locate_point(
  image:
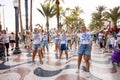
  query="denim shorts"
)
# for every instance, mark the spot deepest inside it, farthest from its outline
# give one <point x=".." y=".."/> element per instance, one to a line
<point x="57" y="41"/>
<point x="35" y="46"/>
<point x="63" y="47"/>
<point x="68" y="41"/>
<point x="84" y="49"/>
<point x="100" y="40"/>
<point x="41" y="45"/>
<point x="45" y="43"/>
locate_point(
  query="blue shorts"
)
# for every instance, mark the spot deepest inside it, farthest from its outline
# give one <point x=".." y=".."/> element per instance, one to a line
<point x="69" y="41"/>
<point x="57" y="41"/>
<point x="41" y="45"/>
<point x="100" y="40"/>
<point x="84" y="49"/>
<point x="45" y="43"/>
<point x="35" y="46"/>
<point x="63" y="47"/>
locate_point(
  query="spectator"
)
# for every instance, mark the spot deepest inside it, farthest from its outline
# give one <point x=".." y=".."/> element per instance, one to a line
<point x="6" y="42"/>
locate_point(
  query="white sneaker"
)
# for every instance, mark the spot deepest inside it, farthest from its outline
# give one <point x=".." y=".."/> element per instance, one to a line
<point x="88" y="74"/>
<point x="67" y="61"/>
<point x="78" y="70"/>
<point x="59" y="60"/>
<point x="90" y="61"/>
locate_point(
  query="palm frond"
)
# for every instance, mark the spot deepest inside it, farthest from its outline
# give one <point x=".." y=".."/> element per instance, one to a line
<point x="41" y="12"/>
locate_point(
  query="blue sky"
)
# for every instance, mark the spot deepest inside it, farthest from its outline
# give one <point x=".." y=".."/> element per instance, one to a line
<point x="87" y="5"/>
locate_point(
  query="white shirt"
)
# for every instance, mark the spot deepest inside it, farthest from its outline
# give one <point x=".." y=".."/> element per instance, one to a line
<point x="112" y="40"/>
<point x="12" y="37"/>
<point x="85" y="38"/>
<point x="37" y="38"/>
<point x="115" y="42"/>
<point x="100" y="35"/>
<point x="44" y="37"/>
<point x="118" y="36"/>
<point x="56" y="36"/>
<point x="5" y="38"/>
<point x="63" y="39"/>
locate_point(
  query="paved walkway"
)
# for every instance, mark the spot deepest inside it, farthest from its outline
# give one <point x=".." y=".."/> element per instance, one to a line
<point x="19" y="67"/>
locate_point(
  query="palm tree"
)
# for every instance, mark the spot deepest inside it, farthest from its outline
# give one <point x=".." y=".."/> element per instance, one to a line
<point x="98" y="16"/>
<point x="72" y="18"/>
<point x="92" y="25"/>
<point x="26" y="13"/>
<point x="48" y="11"/>
<point x="20" y="16"/>
<point x="57" y="2"/>
<point x="114" y="14"/>
<point x="31" y="15"/>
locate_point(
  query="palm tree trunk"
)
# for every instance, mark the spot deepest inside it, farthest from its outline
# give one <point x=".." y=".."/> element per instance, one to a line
<point x="26" y="13"/>
<point x="115" y="26"/>
<point x="57" y="4"/>
<point x="31" y="15"/>
<point x="47" y="25"/>
<point x="20" y="16"/>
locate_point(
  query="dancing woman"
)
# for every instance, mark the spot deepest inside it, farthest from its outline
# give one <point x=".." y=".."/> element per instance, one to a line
<point x="84" y="49"/>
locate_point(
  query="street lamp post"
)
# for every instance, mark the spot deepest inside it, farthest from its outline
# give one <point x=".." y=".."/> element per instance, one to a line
<point x="3" y="14"/>
<point x="17" y="50"/>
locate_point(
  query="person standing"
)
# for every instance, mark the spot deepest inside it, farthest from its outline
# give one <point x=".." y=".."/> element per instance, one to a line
<point x="36" y="48"/>
<point x="84" y="49"/>
<point x="63" y="46"/>
<point x="56" y="36"/>
<point x="12" y="40"/>
<point x="118" y="39"/>
<point x="1" y="46"/>
<point x="100" y="39"/>
<point x="6" y="42"/>
<point x="45" y="42"/>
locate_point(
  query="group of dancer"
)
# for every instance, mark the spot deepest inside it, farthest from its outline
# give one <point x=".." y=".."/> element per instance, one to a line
<point x="63" y="42"/>
<point x="38" y="42"/>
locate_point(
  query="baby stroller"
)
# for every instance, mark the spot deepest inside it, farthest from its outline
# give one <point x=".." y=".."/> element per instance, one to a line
<point x="116" y="55"/>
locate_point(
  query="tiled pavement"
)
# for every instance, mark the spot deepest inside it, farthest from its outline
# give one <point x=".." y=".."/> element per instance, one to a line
<point x="19" y="67"/>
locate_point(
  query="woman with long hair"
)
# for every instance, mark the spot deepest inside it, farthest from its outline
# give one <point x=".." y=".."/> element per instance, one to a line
<point x="84" y="48"/>
<point x="36" y="48"/>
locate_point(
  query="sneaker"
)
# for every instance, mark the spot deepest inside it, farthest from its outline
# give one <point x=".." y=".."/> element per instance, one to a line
<point x="33" y="63"/>
<point x="78" y="70"/>
<point x="8" y="55"/>
<point x="67" y="61"/>
<point x="90" y="61"/>
<point x="88" y="74"/>
<point x="12" y="49"/>
<point x="41" y="62"/>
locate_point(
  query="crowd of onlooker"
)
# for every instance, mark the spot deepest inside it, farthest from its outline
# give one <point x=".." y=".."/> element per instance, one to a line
<point x="109" y="40"/>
